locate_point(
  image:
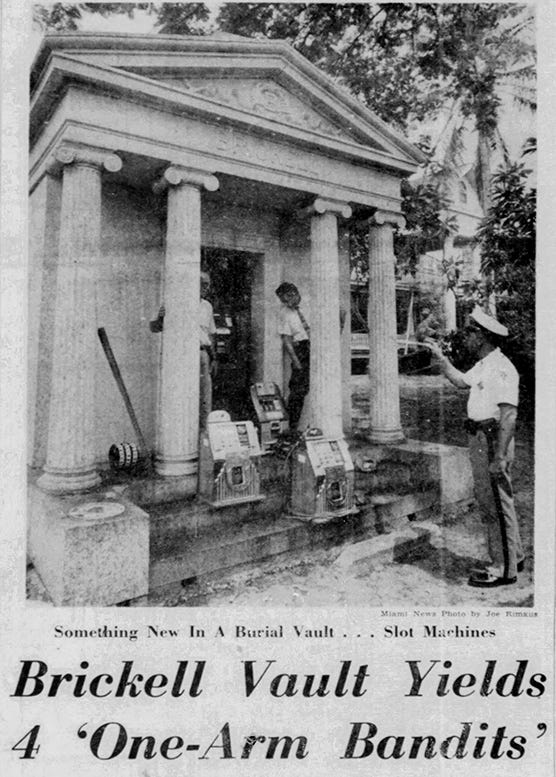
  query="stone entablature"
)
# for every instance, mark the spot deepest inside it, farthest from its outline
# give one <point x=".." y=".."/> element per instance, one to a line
<point x="143" y="131"/>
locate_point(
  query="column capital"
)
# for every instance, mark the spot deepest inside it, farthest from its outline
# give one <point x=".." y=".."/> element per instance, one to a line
<point x="77" y="154"/>
<point x="176" y="176"/>
<point x="323" y="205"/>
<point x="381" y="217"/>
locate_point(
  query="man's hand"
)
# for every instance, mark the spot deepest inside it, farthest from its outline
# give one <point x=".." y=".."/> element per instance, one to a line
<point x="434" y="348"/>
<point x="506" y="431"/>
<point x="454" y="376"/>
<point x="498" y="466"/>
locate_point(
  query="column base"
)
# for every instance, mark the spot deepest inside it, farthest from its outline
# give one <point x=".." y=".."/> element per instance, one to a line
<point x="176" y="468"/>
<point x="67" y="482"/>
<point x="382" y="436"/>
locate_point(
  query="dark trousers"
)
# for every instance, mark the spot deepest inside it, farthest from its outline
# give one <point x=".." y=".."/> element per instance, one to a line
<point x="299" y="382"/>
<point x="495" y="498"/>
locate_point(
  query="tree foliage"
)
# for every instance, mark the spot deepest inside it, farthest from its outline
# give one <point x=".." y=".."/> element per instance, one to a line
<point x="426" y="228"/>
<point x="403" y="60"/>
<point x="181" y="18"/>
<point x="507" y="241"/>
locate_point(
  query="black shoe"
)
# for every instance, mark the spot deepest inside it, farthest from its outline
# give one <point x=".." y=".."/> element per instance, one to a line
<point x="485" y="573"/>
<point x="490" y="581"/>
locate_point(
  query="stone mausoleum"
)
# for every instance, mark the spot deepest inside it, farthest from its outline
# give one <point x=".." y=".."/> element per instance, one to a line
<point x="152" y="157"/>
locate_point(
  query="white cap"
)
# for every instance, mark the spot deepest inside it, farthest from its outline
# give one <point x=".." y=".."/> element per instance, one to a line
<point x="488" y="322"/>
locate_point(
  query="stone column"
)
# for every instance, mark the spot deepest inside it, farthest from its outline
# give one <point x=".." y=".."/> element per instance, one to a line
<point x="70" y="464"/>
<point x="326" y="360"/>
<point x="385" y="426"/>
<point x="178" y="412"/>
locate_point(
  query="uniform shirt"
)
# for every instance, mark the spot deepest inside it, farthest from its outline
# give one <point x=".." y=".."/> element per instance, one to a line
<point x="289" y="323"/>
<point x="493" y="381"/>
<point x="206" y="321"/>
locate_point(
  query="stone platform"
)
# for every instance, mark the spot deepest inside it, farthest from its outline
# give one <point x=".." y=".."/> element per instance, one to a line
<point x="169" y="542"/>
<point x="89" y="549"/>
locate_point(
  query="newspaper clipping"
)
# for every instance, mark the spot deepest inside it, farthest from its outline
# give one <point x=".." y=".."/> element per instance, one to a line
<point x="277" y="420"/>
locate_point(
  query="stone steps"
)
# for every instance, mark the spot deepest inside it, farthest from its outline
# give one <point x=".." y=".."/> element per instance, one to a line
<point x="189" y="543"/>
<point x="178" y="523"/>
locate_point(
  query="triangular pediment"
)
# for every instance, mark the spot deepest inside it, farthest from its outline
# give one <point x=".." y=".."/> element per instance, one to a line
<point x="262" y="97"/>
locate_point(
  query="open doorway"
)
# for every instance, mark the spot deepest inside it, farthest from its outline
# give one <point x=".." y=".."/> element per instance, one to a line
<point x="231" y="274"/>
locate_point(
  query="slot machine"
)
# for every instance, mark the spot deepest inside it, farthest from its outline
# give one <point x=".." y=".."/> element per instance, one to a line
<point x="228" y="461"/>
<point x="271" y="413"/>
<point x="322" y="478"/>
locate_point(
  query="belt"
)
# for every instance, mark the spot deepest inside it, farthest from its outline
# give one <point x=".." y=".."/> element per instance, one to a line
<point x="488" y="426"/>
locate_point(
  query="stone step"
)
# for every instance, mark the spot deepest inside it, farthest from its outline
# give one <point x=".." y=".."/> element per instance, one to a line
<point x="402" y="545"/>
<point x="178" y="523"/>
<point x="190" y="543"/>
<point x="248" y="542"/>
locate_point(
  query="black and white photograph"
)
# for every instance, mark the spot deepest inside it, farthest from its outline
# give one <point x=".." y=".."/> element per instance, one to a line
<point x="282" y="304"/>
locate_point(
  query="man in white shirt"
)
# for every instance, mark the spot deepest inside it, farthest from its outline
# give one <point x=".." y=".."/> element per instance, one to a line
<point x="493" y="385"/>
<point x="295" y="333"/>
<point x="207" y="335"/>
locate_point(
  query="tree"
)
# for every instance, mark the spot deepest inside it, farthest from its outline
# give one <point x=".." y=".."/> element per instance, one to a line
<point x="423" y="206"/>
<point x="507" y="242"/>
<point x="183" y="18"/>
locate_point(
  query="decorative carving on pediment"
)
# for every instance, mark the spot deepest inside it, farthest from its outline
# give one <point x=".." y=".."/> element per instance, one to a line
<point x="264" y="98"/>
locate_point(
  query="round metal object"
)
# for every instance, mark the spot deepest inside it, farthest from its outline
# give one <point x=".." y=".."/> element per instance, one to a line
<point x="124" y="455"/>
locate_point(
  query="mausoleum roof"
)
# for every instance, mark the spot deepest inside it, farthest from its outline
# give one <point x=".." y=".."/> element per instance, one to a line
<point x="257" y="83"/>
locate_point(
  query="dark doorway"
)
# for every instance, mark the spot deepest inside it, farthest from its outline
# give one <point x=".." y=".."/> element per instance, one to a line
<point x="231" y="274"/>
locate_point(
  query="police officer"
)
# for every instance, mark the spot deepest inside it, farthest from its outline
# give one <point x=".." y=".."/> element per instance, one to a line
<point x="492" y="411"/>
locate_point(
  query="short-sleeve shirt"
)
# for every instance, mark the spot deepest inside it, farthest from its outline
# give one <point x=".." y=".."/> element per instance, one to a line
<point x="289" y="323"/>
<point x="493" y="381"/>
<point x="206" y="322"/>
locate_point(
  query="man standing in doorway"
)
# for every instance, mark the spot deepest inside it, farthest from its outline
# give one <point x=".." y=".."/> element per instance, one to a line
<point x="295" y="333"/>
<point x="207" y="336"/>
<point x="491" y="410"/>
